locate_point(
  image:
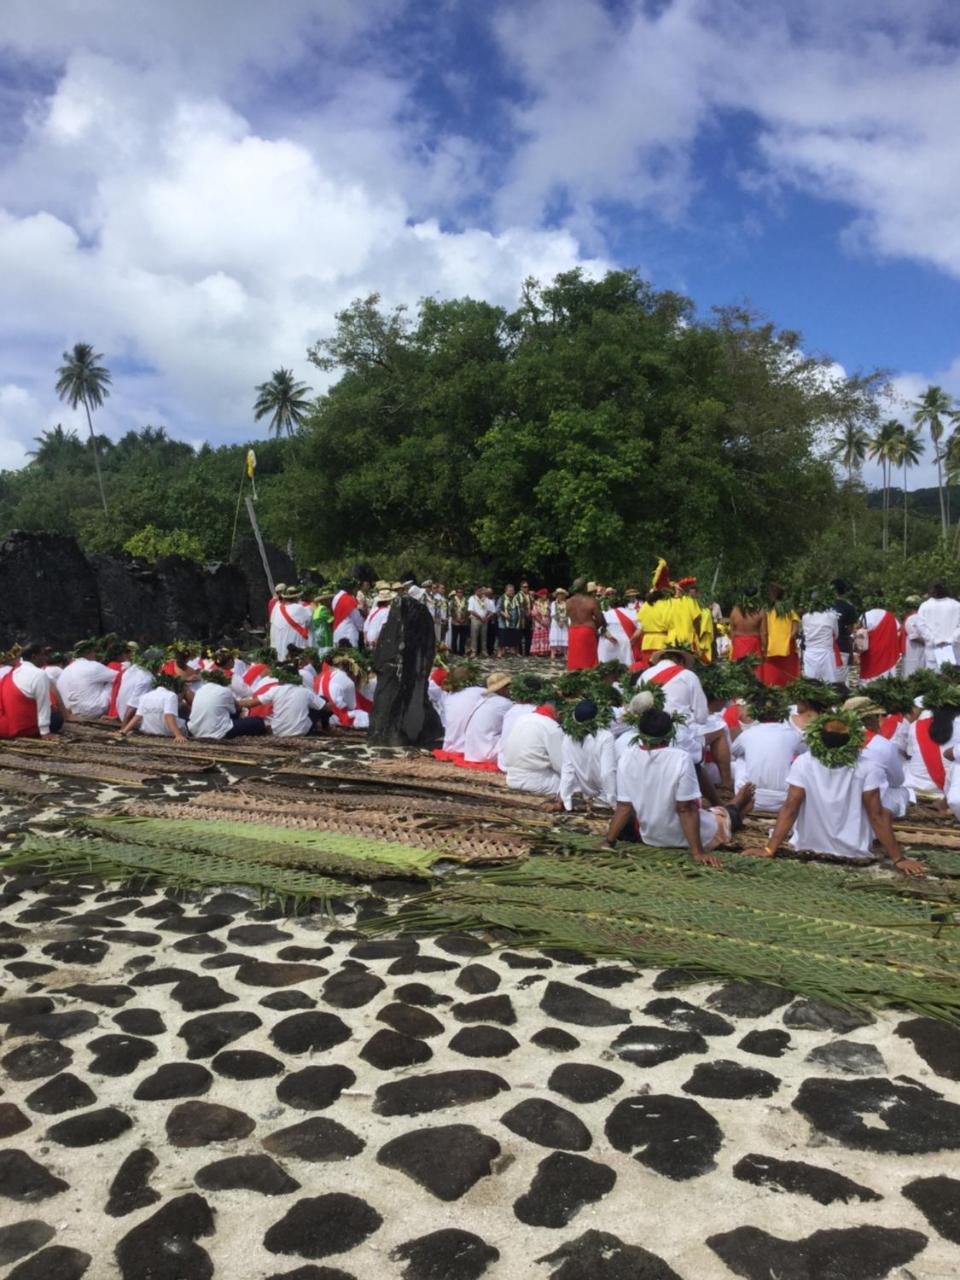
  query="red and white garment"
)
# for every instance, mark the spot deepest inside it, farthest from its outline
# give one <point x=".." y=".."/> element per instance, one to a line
<point x="347" y="619"/>
<point x="340" y="694"/>
<point x="289" y="625"/>
<point x="617" y="644"/>
<point x="882" y="654"/>
<point x="374" y="624"/>
<point x="24" y="702"/>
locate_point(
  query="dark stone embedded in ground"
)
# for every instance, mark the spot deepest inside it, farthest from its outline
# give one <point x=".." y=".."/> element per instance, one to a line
<point x="309" y="1032"/>
<point x="938" y="1199"/>
<point x="201" y="992"/>
<point x="28" y="968"/>
<point x="197" y="1124"/>
<point x="486" y="1009"/>
<point x="230" y="904"/>
<point x="682" y="1016"/>
<point x="420" y="994"/>
<point x="140" y="1022"/>
<point x="310" y="1272"/>
<point x="672" y="1136"/>
<point x="22" y="1238"/>
<point x="848" y="1056"/>
<point x="223" y="959"/>
<point x="555" y="1039"/>
<point x="130" y="1188"/>
<point x="867" y="1253"/>
<point x="315" y="1088"/>
<point x="246" y="1064"/>
<point x="411" y="1021"/>
<point x="388" y="1050"/>
<point x="462" y="944"/>
<point x="56" y="1262"/>
<point x="246" y="1173"/>
<point x="112" y="995"/>
<point x="675" y="979"/>
<point x="447" y="1160"/>
<point x="321" y="1225"/>
<point x="12" y="1120"/>
<point x="164" y="975"/>
<point x="573" y="1004"/>
<point x="208" y="1033"/>
<point x="284" y="1001"/>
<point x="517" y="960"/>
<point x="78" y="951"/>
<point x="54" y="1026"/>
<point x="384" y="948"/>
<point x="562" y="1185"/>
<point x="583" y="1082"/>
<point x="724" y="1079"/>
<point x="483" y="1042"/>
<point x="809" y="1014"/>
<point x="478" y="979"/>
<point x="118" y="1055"/>
<point x="448" y="1254"/>
<point x="913" y="1119"/>
<point x="257" y="935"/>
<point x="649" y="1046"/>
<point x="309" y="954"/>
<point x="794" y="1176"/>
<point x="164" y="1246"/>
<point x="267" y="973"/>
<point x="174" y="1080"/>
<point x="24" y="1007"/>
<point x="22" y="1179"/>
<point x="90" y="1128"/>
<point x="542" y="1121"/>
<point x="65" y="1092"/>
<point x="420" y="964"/>
<point x="416" y="1095"/>
<point x="132" y="937"/>
<point x="598" y="1255"/>
<point x="937" y="1043"/>
<point x="745" y="999"/>
<point x="769" y="1044"/>
<point x="317" y="1140"/>
<point x="195" y="924"/>
<point x="607" y="976"/>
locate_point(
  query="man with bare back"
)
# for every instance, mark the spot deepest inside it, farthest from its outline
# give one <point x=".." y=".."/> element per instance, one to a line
<point x="586" y="621"/>
<point x="748" y="626"/>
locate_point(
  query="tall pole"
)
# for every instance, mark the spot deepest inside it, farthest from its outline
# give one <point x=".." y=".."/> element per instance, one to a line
<point x="263" y="551"/>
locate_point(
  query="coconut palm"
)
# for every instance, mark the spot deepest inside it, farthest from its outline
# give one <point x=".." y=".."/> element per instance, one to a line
<point x="929" y="411"/>
<point x="850" y="449"/>
<point x="56" y="448"/>
<point x="908" y="450"/>
<point x="81" y="380"/>
<point x="882" y="448"/>
<point x="285" y="400"/>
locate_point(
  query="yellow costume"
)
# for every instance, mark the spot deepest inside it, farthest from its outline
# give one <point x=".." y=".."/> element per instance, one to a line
<point x="705" y="643"/>
<point x="779" y="630"/>
<point x="684" y="615"/>
<point x="654" y="621"/>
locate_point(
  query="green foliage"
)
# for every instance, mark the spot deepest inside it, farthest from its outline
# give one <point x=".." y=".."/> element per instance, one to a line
<point x="151" y="543"/>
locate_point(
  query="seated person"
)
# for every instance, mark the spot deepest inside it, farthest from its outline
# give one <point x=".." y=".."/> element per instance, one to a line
<point x="882" y="752"/>
<point x="215" y="711"/>
<point x="86" y="685"/>
<point x="589" y="762"/>
<point x="26" y="693"/>
<point x="765" y="750"/>
<point x="533" y="757"/>
<point x="157" y="711"/>
<point x="294" y="710"/>
<point x="481" y="738"/>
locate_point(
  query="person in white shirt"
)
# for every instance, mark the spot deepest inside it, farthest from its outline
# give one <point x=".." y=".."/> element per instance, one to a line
<point x="25" y="704"/>
<point x="157" y="712"/>
<point x="833" y="799"/>
<point x="85" y="687"/>
<point x="914" y="648"/>
<point x="614" y="644"/>
<point x="290" y="623"/>
<point x="931" y="741"/>
<point x="294" y="710"/>
<point x="764" y="751"/>
<point x="589" y="762"/>
<point x="347" y="618"/>
<point x="460" y="702"/>
<point x="658" y="791"/>
<point x="135" y="681"/>
<point x="820" y="628"/>
<point x="477" y="611"/>
<point x="376" y="618"/>
<point x="215" y="712"/>
<point x="883" y="753"/>
<point x="526" y="693"/>
<point x="533" y="757"/>
<point x="938" y="621"/>
<point x="481" y="734"/>
<point x="337" y="686"/>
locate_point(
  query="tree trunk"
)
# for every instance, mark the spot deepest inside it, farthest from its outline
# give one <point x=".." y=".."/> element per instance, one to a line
<point x="886" y="504"/>
<point x="853" y="515"/>
<point x="96" y="457"/>
<point x="904" y="511"/>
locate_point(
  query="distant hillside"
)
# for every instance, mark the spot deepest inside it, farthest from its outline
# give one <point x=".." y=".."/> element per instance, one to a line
<point x="923" y="502"/>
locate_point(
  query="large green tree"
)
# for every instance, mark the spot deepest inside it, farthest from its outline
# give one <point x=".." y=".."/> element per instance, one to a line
<point x="82" y="380"/>
<point x="284" y="401"/>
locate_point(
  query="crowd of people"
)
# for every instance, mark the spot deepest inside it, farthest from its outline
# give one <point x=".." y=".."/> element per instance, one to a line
<point x="677" y="719"/>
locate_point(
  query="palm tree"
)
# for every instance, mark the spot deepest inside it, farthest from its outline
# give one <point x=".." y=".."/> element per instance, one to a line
<point x="883" y="449"/>
<point x="81" y="380"/>
<point x="929" y="411"/>
<point x="56" y="448"/>
<point x="850" y="448"/>
<point x="907" y="451"/>
<point x="284" y="399"/>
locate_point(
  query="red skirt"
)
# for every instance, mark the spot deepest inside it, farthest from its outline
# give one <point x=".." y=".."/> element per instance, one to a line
<point x="581" y="648"/>
<point x="779" y="671"/>
<point x="745" y="645"/>
<point x="485" y="766"/>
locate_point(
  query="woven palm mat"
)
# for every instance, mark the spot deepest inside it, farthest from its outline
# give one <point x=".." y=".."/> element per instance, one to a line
<point x="425" y="766"/>
<point x="460" y="842"/>
<point x="365" y="778"/>
<point x="70" y="769"/>
<point x="382" y="798"/>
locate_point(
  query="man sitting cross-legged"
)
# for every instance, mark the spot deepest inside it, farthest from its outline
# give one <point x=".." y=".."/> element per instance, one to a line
<point x="658" y="796"/>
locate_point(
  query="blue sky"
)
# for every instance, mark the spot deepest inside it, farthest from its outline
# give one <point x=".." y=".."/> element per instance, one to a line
<point x="196" y="188"/>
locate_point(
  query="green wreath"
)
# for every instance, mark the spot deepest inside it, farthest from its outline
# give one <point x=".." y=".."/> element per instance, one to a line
<point x="895" y="696"/>
<point x="819" y="695"/>
<point x="841" y="757"/>
<point x="579" y="730"/>
<point x="946" y="695"/>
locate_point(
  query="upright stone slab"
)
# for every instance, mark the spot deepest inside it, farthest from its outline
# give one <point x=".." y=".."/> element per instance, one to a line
<point x="402" y="713"/>
<point x="47" y="588"/>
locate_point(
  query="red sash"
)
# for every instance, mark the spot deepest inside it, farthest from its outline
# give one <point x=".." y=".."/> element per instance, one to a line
<point x="261" y="712"/>
<point x="169" y="668"/>
<point x="883" y="649"/>
<point x="118" y="668"/>
<point x="741" y="646"/>
<point x="731" y="716"/>
<point x="628" y="624"/>
<point x="548" y="712"/>
<point x="363" y="703"/>
<point x="667" y="674"/>
<point x="322" y="686"/>
<point x="253" y="672"/>
<point x="930" y="753"/>
<point x="890" y="724"/>
<point x="298" y="627"/>
<point x="438" y="676"/>
<point x="343" y="606"/>
<point x="18" y="712"/>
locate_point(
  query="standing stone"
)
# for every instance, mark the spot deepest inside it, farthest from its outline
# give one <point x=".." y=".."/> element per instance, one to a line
<point x="402" y="713"/>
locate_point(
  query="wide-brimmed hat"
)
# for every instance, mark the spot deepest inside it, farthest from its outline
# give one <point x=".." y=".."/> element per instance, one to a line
<point x="911" y="600"/>
<point x="280" y="588"/>
<point x="496" y="681"/>
<point x="292" y="593"/>
<point x="631" y="591"/>
<point x="398" y="586"/>
<point x="381" y="585"/>
<point x="591" y="588"/>
<point x="686" y="656"/>
<point x="561" y="591"/>
<point x="384" y="596"/>
<point x="863" y="707"/>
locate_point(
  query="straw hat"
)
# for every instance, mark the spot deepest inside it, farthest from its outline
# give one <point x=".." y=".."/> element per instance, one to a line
<point x="497" y="681"/>
<point x="397" y="586"/>
<point x="591" y="588"/>
<point x="561" y="591"/>
<point x="863" y="707"/>
<point x="384" y="595"/>
<point x="292" y="593"/>
<point x="280" y="588"/>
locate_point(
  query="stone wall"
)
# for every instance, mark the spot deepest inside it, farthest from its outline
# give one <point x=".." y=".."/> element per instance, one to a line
<point x="50" y="590"/>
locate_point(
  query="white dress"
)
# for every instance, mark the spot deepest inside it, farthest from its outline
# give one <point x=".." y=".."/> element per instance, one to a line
<point x="914" y="655"/>
<point x="938" y="621"/>
<point x="832" y="818"/>
<point x="534" y="756"/>
<point x="820" y="629"/>
<point x="589" y="769"/>
<point x="481" y="740"/>
<point x="763" y="754"/>
<point x="558" y="630"/>
<point x="457" y="711"/>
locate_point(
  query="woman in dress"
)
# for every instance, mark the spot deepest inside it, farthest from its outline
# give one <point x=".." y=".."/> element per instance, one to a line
<point x="540" y="613"/>
<point x="558" y="624"/>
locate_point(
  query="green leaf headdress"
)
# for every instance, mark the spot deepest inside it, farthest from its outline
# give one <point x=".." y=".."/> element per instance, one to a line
<point x="581" y="729"/>
<point x="836" y="755"/>
<point x="768" y="704"/>
<point x="945" y="695"/>
<point x="895" y="696"/>
<point x="464" y="676"/>
<point x="815" y="693"/>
